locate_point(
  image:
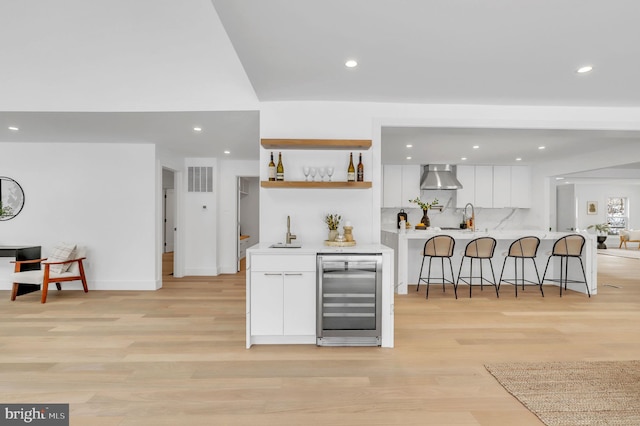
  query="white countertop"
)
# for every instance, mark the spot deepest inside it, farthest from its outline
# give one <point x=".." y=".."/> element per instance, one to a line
<point x="464" y="234"/>
<point x="310" y="248"/>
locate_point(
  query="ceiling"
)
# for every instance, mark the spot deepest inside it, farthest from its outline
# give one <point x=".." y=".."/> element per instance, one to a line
<point x="233" y="131"/>
<point x="439" y="51"/>
<point x="491" y="52"/>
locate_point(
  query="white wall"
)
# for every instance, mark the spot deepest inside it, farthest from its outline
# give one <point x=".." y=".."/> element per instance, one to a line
<point x="600" y="193"/>
<point x="345" y="120"/>
<point x="200" y="219"/>
<point x="101" y="196"/>
<point x="229" y="170"/>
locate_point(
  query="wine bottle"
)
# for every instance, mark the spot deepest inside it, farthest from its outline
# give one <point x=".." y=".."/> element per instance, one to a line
<point x="351" y="171"/>
<point x="272" y="169"/>
<point x="360" y="170"/>
<point x="280" y="168"/>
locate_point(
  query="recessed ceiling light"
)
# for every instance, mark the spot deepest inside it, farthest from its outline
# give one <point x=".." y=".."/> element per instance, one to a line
<point x="409" y="145"/>
<point x="14" y="128"/>
<point x="476" y="146"/>
<point x="351" y="63"/>
<point x="227" y="152"/>
<point x="541" y="147"/>
<point x="518" y="159"/>
<point x="463" y="158"/>
<point x="408" y="158"/>
<point x="197" y="129"/>
<point x="559" y="178"/>
<point x="584" y="69"/>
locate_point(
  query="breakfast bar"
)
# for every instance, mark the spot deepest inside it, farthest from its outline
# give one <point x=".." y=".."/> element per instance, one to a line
<point x="408" y="247"/>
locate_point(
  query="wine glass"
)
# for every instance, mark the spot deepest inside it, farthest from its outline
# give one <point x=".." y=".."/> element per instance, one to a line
<point x="321" y="173"/>
<point x="305" y="170"/>
<point x="329" y="172"/>
<point x="312" y="171"/>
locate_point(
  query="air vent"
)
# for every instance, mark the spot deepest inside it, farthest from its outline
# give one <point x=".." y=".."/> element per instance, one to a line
<point x="200" y="179"/>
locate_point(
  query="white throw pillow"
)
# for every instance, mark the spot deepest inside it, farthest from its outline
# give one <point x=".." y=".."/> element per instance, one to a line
<point x="62" y="252"/>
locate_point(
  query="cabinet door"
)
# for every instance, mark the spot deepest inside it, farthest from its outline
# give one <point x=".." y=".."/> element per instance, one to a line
<point x="502" y="187"/>
<point x="410" y="184"/>
<point x="299" y="303"/>
<point x="466" y="176"/>
<point x="521" y="187"/>
<point x="484" y="186"/>
<point x="392" y="186"/>
<point x="266" y="303"/>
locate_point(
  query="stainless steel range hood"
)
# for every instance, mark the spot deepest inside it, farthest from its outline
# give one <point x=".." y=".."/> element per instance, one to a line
<point x="439" y="176"/>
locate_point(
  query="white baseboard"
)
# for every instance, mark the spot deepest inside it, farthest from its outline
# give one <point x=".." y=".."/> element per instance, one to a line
<point x="102" y="285"/>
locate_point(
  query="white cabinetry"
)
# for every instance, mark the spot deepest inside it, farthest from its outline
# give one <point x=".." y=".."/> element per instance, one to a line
<point x="282" y="298"/>
<point x="521" y="187"/>
<point x="501" y="186"/>
<point x="467" y="177"/>
<point x="484" y="186"/>
<point x="494" y="186"/>
<point x="400" y="184"/>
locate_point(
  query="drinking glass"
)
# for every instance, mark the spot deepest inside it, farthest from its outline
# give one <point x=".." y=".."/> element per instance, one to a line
<point x="305" y="170"/>
<point x="329" y="172"/>
<point x="312" y="171"/>
<point x="321" y="173"/>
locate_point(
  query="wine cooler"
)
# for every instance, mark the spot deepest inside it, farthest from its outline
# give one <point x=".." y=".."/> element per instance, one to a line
<point x="349" y="299"/>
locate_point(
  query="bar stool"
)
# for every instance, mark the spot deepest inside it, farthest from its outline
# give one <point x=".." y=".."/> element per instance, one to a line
<point x="480" y="249"/>
<point x="440" y="246"/>
<point x="522" y="248"/>
<point x="567" y="247"/>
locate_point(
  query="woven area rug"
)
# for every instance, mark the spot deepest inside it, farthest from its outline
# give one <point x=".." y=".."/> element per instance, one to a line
<point x="628" y="253"/>
<point x="575" y="393"/>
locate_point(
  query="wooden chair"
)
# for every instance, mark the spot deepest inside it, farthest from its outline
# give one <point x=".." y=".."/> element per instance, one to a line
<point x="47" y="276"/>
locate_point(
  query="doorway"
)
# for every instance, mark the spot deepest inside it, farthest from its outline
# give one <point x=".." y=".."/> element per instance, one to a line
<point x="248" y="224"/>
<point x="168" y="221"/>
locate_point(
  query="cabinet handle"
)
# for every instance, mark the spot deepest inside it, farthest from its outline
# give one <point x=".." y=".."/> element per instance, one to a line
<point x="288" y="274"/>
<point x="276" y="273"/>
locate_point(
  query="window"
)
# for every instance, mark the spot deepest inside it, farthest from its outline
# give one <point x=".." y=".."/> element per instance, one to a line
<point x="617" y="212"/>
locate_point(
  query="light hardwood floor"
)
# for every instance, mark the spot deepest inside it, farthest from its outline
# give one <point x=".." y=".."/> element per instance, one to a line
<point x="176" y="356"/>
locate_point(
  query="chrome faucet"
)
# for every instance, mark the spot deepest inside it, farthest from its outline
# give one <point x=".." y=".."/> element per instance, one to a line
<point x="473" y="216"/>
<point x="290" y="236"/>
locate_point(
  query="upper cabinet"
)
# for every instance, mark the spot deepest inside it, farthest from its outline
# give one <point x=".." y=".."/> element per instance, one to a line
<point x="494" y="186"/>
<point x="399" y="185"/>
<point x="316" y="144"/>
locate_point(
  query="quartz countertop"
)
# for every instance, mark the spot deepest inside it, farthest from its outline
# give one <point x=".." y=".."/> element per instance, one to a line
<point x="499" y="234"/>
<point x="314" y="248"/>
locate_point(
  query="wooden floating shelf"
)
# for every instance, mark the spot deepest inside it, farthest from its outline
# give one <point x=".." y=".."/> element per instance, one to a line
<point x="304" y="184"/>
<point x="353" y="144"/>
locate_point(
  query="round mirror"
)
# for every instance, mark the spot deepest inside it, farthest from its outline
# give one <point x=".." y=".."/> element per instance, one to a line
<point x="11" y="198"/>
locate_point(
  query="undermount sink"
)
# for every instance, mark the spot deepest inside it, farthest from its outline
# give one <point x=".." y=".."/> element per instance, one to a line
<point x="285" y="245"/>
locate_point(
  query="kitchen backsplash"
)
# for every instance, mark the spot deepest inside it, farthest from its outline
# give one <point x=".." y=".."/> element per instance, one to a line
<point x="451" y="217"/>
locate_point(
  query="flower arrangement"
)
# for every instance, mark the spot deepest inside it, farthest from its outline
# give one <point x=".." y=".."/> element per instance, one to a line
<point x="422" y="204"/>
<point x="332" y="221"/>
